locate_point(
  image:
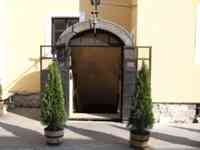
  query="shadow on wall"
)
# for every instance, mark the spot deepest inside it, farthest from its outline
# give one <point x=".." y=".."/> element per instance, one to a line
<point x="28" y="80"/>
<point x="28" y="83"/>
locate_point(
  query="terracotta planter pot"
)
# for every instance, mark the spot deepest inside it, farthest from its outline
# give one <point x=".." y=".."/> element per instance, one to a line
<point x="54" y="137"/>
<point x="138" y="140"/>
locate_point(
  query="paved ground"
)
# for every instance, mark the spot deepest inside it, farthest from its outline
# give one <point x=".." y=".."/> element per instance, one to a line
<point x="19" y="132"/>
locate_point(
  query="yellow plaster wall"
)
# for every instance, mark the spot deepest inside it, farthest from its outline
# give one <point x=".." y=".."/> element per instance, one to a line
<point x="169" y="26"/>
<point x="26" y="27"/>
<point x="117" y="11"/>
<point x="26" y="31"/>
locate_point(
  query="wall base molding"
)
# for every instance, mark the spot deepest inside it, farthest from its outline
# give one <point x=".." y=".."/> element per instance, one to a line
<point x="27" y="100"/>
<point x="174" y="113"/>
<point x="163" y="112"/>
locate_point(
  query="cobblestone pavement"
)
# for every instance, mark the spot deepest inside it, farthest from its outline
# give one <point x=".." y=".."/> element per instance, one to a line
<point x="19" y="132"/>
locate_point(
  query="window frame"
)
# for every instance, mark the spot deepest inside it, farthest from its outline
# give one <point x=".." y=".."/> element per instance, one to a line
<point x="47" y="25"/>
<point x="55" y="30"/>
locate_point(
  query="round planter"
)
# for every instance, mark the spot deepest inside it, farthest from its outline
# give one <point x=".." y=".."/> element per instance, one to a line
<point x="138" y="140"/>
<point x="54" y="137"/>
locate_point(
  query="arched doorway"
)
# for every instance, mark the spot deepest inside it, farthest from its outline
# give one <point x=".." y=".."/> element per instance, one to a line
<point x="96" y="69"/>
<point x="102" y="66"/>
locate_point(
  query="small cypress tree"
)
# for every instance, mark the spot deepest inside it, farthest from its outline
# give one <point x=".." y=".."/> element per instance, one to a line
<point x="52" y="101"/>
<point x="141" y="115"/>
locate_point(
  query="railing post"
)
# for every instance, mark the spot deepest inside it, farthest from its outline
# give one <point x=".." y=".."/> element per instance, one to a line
<point x="129" y="78"/>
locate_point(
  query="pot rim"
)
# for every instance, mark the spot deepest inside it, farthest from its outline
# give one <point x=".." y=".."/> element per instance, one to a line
<point x="58" y="129"/>
<point x="146" y="133"/>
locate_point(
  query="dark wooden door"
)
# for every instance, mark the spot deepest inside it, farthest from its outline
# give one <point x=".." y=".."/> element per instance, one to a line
<point x="96" y="73"/>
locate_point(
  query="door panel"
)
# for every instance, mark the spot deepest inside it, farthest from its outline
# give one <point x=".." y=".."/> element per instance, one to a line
<point x="96" y="73"/>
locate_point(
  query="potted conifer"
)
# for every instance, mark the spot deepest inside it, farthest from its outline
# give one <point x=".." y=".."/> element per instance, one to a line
<point x="141" y="116"/>
<point x="53" y="114"/>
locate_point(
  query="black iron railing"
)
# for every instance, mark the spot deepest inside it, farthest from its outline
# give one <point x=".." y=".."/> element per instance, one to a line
<point x="143" y="54"/>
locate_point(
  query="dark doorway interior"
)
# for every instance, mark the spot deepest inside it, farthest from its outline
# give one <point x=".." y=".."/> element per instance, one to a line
<point x="96" y="66"/>
<point x="97" y="79"/>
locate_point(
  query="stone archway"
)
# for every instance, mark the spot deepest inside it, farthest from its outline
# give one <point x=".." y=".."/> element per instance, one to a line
<point x="115" y="29"/>
<point x="128" y="54"/>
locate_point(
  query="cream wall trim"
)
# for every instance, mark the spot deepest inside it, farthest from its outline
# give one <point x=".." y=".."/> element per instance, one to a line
<point x="198" y="35"/>
<point x="48" y="25"/>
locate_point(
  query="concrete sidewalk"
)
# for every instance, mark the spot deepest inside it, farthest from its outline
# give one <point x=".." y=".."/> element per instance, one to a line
<point x="18" y="132"/>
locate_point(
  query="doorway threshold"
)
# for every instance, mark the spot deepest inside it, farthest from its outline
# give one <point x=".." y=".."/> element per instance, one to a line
<point x="95" y="117"/>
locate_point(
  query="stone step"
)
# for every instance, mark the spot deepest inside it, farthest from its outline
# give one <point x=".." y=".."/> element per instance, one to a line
<point x="93" y="116"/>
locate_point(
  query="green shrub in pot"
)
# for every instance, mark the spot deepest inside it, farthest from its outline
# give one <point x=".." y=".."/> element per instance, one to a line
<point x="53" y="113"/>
<point x="141" y="116"/>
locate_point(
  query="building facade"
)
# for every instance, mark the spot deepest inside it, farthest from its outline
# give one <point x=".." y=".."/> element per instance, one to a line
<point x="169" y="27"/>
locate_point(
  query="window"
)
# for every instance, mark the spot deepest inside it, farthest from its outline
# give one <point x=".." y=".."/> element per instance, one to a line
<point x="59" y="25"/>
